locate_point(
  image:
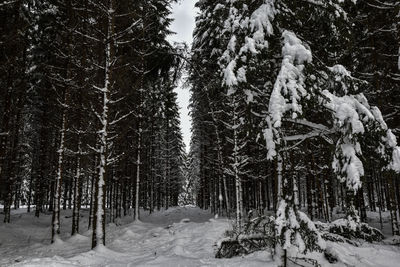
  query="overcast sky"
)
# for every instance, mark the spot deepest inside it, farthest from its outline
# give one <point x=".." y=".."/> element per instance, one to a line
<point x="184" y="14"/>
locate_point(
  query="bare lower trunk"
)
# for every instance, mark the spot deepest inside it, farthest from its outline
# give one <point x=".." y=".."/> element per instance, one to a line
<point x="57" y="185"/>
<point x="99" y="212"/>
<point x="138" y="177"/>
<point x="238" y="182"/>
<point x="77" y="193"/>
<point x="279" y="250"/>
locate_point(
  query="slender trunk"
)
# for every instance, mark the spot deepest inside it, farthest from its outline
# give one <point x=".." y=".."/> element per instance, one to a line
<point x="100" y="216"/>
<point x="65" y="196"/>
<point x="296" y="201"/>
<point x="110" y="203"/>
<point x="57" y="185"/>
<point x="70" y="190"/>
<point x="99" y="221"/>
<point x="220" y="198"/>
<point x="238" y="182"/>
<point x="92" y="194"/>
<point x="326" y="198"/>
<point x="378" y="191"/>
<point x="138" y="175"/>
<point x="279" y="177"/>
<point x="279" y="250"/>
<point x="30" y="193"/>
<point x="392" y="204"/>
<point x="77" y="192"/>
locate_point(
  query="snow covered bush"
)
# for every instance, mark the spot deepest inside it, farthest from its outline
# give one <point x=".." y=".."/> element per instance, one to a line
<point x="295" y="230"/>
<point x="256" y="234"/>
<point x="354" y="230"/>
<point x="347" y="230"/>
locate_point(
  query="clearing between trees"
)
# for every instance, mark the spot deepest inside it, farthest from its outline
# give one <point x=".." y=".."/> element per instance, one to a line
<point x="179" y="236"/>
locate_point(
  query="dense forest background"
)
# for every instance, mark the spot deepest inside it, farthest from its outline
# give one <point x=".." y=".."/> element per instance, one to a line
<point x="295" y="108"/>
<point x="88" y="109"/>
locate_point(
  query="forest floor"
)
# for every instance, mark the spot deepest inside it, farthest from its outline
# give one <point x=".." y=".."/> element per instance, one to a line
<point x="184" y="236"/>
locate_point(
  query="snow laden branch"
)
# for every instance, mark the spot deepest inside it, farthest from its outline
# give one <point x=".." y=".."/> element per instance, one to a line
<point x="350" y="115"/>
<point x="288" y="89"/>
<point x="259" y="23"/>
<point x="354" y="119"/>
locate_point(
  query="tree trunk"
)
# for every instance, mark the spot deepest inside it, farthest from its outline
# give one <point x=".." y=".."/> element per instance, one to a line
<point x="55" y="230"/>
<point x="99" y="220"/>
<point x="136" y="217"/>
<point x="77" y="192"/>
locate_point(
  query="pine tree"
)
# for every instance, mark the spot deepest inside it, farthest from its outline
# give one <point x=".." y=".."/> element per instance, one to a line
<point x="274" y="76"/>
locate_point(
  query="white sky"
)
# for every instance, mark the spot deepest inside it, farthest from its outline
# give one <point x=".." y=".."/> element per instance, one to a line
<point x="184" y="13"/>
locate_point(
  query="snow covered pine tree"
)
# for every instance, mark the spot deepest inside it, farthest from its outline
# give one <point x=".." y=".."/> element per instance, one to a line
<point x="300" y="88"/>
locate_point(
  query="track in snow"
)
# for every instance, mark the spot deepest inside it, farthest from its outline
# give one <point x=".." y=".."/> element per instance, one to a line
<point x="184" y="236"/>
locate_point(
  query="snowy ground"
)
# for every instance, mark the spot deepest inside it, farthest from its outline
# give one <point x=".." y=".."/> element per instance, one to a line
<point x="176" y="237"/>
